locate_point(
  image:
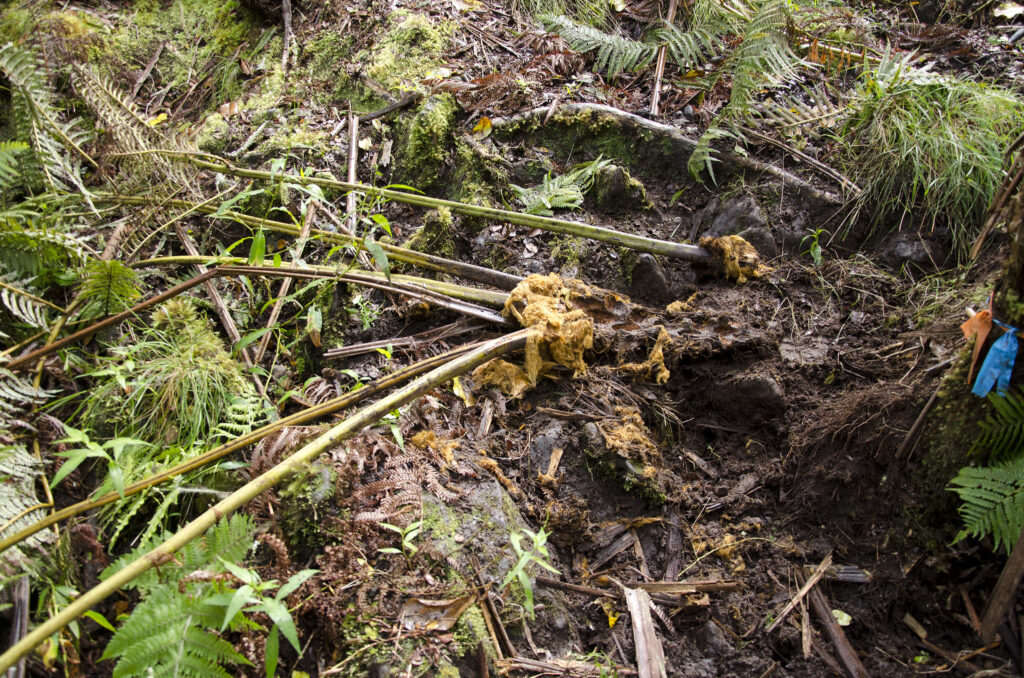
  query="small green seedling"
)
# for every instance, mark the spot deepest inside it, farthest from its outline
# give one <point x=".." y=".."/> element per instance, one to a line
<point x="536" y="553"/>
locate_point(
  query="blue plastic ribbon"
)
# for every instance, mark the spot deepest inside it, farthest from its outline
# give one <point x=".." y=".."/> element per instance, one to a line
<point x="998" y="365"/>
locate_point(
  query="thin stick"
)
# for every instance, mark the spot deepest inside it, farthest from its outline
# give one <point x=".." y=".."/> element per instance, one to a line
<point x="353" y="162"/>
<point x="413" y="341"/>
<point x="851" y="662"/>
<point x="1004" y="593"/>
<point x="282" y="292"/>
<point x="286" y="13"/>
<point x="301" y="417"/>
<point x="22" y="361"/>
<point x="474" y="294"/>
<point x="347" y="428"/>
<point x="222" y="309"/>
<point x="804" y="590"/>
<point x="659" y="68"/>
<point x="149" y="69"/>
<point x="487" y="276"/>
<point x="607" y="235"/>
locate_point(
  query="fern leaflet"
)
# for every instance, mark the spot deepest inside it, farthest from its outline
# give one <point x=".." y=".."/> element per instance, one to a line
<point x="993" y="501"/>
<point x="109" y="287"/>
<point x="615" y="53"/>
<point x="1002" y="432"/>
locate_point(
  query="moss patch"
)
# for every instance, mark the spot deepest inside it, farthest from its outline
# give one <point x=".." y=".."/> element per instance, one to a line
<point x="226" y="28"/>
<point x="435" y="236"/>
<point x="424" y="154"/>
<point x="408" y="52"/>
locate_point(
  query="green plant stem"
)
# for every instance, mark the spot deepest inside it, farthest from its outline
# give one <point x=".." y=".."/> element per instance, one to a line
<point x="489" y="297"/>
<point x="250" y="438"/>
<point x="636" y="242"/>
<point x="350" y="426"/>
<point x="52" y="346"/>
<point x="480" y="296"/>
<point x="457" y="268"/>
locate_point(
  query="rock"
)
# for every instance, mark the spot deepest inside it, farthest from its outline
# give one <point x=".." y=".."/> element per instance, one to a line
<point x="545" y="441"/>
<point x="616" y="191"/>
<point x="711" y="638"/>
<point x="750" y="398"/>
<point x="740" y="216"/>
<point x="903" y="247"/>
<point x="649" y="280"/>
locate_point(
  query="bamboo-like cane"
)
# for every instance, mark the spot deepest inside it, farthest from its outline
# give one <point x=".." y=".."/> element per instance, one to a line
<point x="636" y="242"/>
<point x="457" y="291"/>
<point x="350" y="426"/>
<point x="487" y="276"/>
<point x="473" y="294"/>
<point x="301" y="417"/>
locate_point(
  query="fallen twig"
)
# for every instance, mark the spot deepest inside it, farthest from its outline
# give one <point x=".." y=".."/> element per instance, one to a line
<point x="423" y="338"/>
<point x="457" y="268"/>
<point x="659" y="67"/>
<point x="847" y="656"/>
<point x="650" y="657"/>
<point x="1004" y="593"/>
<point x="799" y="596"/>
<point x="282" y="291"/>
<point x="571" y="112"/>
<point x="222" y="309"/>
<point x="607" y="235"/>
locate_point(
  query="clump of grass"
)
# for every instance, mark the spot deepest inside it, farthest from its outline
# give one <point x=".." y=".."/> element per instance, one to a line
<point x="173" y="386"/>
<point x="928" y="147"/>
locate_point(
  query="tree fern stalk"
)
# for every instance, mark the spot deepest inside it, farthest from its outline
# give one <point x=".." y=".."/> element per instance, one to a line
<point x="618" y="238"/>
<point x="310" y="414"/>
<point x="163" y="553"/>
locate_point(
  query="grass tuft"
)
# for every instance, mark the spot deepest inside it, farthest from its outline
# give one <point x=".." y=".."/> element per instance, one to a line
<point x="928" y="148"/>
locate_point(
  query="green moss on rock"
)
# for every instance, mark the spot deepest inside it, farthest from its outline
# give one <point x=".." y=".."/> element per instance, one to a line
<point x="423" y="157"/>
<point x="436" y="235"/>
<point x="213" y="135"/>
<point x="408" y="52"/>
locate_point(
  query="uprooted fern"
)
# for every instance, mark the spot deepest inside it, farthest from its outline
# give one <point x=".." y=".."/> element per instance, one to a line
<point x="565" y="191"/>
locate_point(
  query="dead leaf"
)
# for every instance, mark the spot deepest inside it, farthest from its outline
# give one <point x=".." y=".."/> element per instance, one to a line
<point x="365" y="144"/>
<point x="433" y="615"/>
<point x="1008" y="10"/>
<point x="482" y="129"/>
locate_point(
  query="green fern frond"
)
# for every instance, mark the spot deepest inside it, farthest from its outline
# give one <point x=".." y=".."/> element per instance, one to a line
<point x="1002" y="431"/>
<point x="993" y="501"/>
<point x="108" y="287"/>
<point x="20" y="300"/>
<point x="9" y="170"/>
<point x="764" y="58"/>
<point x="16" y="394"/>
<point x="615" y="54"/>
<point x="230" y="539"/>
<point x="703" y="154"/>
<point x="56" y="144"/>
<point x="689" y="48"/>
<point x="28" y="250"/>
<point x="245" y="413"/>
<point x="169" y="634"/>
<point x="19" y="473"/>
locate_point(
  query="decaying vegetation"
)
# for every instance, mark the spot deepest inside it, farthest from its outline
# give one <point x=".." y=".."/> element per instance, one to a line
<point x="400" y="339"/>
